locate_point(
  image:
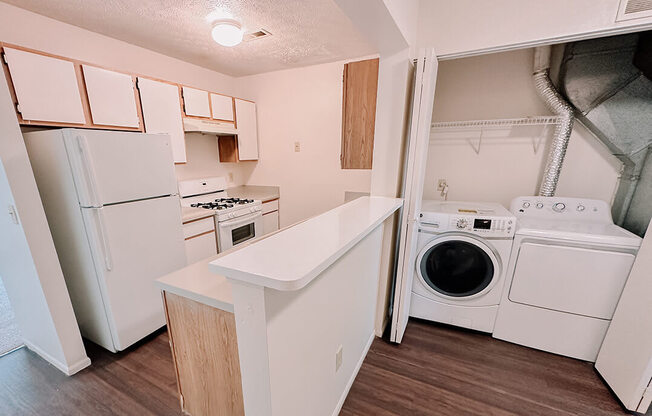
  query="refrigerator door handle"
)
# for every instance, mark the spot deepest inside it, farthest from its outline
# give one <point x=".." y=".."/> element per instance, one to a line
<point x="106" y="248"/>
<point x="89" y="172"/>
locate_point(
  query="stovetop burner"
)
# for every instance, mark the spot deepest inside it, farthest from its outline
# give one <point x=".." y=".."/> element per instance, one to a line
<point x="237" y="201"/>
<point x="222" y="203"/>
<point x="212" y="205"/>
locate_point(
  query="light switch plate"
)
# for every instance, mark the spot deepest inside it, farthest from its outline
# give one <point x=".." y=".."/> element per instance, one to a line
<point x="338" y="358"/>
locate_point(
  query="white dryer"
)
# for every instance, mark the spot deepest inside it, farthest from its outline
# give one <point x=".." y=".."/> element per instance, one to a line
<point x="568" y="267"/>
<point x="463" y="250"/>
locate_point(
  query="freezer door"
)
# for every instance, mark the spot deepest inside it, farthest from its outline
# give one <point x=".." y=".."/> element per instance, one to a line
<point x="112" y="167"/>
<point x="134" y="244"/>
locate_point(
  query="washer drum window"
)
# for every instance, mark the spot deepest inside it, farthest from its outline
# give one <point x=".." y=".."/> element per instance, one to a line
<point x="458" y="267"/>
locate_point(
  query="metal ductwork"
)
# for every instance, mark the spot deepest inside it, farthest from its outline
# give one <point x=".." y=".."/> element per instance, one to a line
<point x="558" y="105"/>
<point x="609" y="83"/>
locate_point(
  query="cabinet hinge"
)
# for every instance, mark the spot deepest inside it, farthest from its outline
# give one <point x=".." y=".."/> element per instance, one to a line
<point x="4" y="58"/>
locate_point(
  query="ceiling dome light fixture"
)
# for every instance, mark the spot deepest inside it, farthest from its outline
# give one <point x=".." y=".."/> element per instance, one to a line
<point x="227" y="32"/>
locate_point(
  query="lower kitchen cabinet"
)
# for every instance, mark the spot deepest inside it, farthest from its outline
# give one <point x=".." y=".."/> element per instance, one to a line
<point x="270" y="222"/>
<point x="201" y="247"/>
<point x="205" y="353"/>
<point x="270" y="216"/>
<point x="200" y="239"/>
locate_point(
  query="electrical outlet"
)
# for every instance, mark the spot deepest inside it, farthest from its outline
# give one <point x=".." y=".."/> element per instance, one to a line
<point x="338" y="358"/>
<point x="441" y="184"/>
<point x="230" y="176"/>
<point x="297" y="146"/>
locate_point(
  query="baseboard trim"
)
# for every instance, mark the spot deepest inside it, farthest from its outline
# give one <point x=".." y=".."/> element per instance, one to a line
<point x="340" y="403"/>
<point x="66" y="369"/>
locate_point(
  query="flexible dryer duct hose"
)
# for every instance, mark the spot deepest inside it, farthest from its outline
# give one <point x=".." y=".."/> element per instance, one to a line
<point x="558" y="105"/>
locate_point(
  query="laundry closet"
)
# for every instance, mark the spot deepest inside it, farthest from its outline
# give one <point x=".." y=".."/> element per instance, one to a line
<point x="556" y="140"/>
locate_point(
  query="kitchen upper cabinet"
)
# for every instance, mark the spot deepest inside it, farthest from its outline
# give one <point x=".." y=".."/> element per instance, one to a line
<point x="47" y="89"/>
<point x="112" y="97"/>
<point x="359" y="114"/>
<point x="247" y="126"/>
<point x="195" y="102"/>
<point x="162" y="113"/>
<point x="222" y="106"/>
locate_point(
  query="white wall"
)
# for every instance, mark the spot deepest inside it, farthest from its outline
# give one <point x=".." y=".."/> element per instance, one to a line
<point x="287" y="340"/>
<point x="302" y="105"/>
<point x="24" y="28"/>
<point x="500" y="86"/>
<point x="29" y="266"/>
<point x="464" y="26"/>
<point x="203" y="161"/>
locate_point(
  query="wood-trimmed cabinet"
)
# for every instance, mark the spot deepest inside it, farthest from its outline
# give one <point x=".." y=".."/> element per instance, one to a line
<point x="50" y="90"/>
<point x="200" y="238"/>
<point x="162" y="113"/>
<point x="243" y="146"/>
<point x="271" y="221"/>
<point x="359" y="113"/>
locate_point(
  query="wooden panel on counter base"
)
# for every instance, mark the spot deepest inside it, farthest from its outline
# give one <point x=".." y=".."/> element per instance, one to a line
<point x="205" y="353"/>
<point x="359" y="113"/>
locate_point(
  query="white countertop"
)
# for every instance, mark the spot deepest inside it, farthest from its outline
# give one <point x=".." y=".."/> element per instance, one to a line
<point x="191" y="213"/>
<point x="291" y="258"/>
<point x="263" y="193"/>
<point x="196" y="282"/>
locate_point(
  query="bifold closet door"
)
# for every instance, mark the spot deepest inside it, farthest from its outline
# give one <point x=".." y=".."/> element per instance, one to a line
<point x="423" y="96"/>
<point x="625" y="358"/>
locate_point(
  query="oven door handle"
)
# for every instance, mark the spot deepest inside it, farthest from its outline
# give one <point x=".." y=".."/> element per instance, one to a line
<point x="236" y="222"/>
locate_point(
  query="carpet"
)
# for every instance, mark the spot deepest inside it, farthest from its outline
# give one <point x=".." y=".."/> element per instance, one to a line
<point x="9" y="335"/>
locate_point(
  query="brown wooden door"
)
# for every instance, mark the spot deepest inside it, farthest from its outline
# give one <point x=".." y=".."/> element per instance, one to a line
<point x="359" y="113"/>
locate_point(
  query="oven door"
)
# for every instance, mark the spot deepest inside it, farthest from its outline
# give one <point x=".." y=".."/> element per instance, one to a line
<point x="238" y="230"/>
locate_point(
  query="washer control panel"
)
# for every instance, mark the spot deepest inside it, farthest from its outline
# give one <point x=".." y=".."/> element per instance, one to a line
<point x="486" y="226"/>
<point x="561" y="207"/>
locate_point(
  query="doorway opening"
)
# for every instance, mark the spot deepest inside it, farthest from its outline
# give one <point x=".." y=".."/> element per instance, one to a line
<point x="10" y="338"/>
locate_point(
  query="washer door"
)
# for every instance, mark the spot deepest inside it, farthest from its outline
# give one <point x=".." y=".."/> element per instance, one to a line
<point x="458" y="266"/>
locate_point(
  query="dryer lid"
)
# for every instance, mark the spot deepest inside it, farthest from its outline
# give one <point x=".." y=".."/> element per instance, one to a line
<point x="578" y="231"/>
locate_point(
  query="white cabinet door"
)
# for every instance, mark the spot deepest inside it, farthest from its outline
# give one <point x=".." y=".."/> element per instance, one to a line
<point x="46" y="88"/>
<point x="111" y="97"/>
<point x="162" y="113"/>
<point x="222" y="107"/>
<point x="201" y="247"/>
<point x="270" y="222"/>
<point x="247" y="130"/>
<point x="195" y="102"/>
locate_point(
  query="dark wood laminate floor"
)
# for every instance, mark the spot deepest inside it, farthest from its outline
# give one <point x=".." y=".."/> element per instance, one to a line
<point x="437" y="370"/>
<point x="139" y="381"/>
<point x="441" y="370"/>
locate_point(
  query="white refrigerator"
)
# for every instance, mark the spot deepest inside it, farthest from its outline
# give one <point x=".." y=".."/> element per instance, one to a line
<point x="112" y="204"/>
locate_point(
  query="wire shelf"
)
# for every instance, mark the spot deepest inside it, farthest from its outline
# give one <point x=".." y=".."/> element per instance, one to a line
<point x="497" y="123"/>
<point x="481" y="125"/>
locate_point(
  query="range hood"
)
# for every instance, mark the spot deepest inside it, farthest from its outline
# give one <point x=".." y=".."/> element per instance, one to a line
<point x="221" y="128"/>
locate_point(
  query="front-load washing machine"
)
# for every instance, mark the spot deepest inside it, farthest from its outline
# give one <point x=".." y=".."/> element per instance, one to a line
<point x="463" y="250"/>
<point x="568" y="267"/>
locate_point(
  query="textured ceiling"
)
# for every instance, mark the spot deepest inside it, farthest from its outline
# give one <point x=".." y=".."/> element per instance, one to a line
<point x="304" y="32"/>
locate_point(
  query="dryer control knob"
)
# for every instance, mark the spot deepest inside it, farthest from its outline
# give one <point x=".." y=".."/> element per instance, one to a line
<point x="581" y="207"/>
<point x="462" y="223"/>
<point x="526" y="205"/>
<point x="539" y="205"/>
<point x="559" y="206"/>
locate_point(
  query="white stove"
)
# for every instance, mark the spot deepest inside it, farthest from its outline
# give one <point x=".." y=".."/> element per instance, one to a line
<point x="236" y="219"/>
